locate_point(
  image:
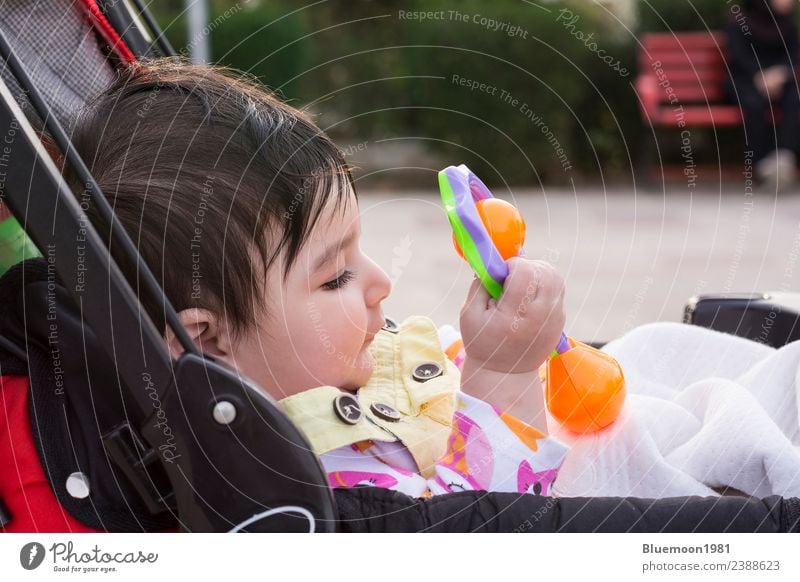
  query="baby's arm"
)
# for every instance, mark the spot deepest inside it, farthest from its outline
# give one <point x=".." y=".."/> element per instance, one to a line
<point x="521" y="394"/>
<point x="507" y="340"/>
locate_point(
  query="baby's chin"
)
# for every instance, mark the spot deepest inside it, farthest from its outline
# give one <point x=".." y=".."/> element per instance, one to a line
<point x="360" y="373"/>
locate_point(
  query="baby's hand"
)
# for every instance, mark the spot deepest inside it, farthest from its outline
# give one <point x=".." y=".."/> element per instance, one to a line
<point x="517" y="332"/>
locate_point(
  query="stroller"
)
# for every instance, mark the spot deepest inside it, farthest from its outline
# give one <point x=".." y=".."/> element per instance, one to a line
<point x="103" y="431"/>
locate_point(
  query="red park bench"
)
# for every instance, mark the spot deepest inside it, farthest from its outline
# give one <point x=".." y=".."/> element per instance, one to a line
<point x="681" y="84"/>
<point x="681" y="81"/>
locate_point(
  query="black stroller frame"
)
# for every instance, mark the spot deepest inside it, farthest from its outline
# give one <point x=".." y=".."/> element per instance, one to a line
<point x="197" y="484"/>
<point x="250" y="469"/>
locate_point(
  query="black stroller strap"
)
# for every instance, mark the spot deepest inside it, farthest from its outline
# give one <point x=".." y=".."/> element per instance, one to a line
<point x="74" y="398"/>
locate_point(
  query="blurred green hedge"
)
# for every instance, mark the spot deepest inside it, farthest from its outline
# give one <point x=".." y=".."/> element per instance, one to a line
<point x="378" y="71"/>
<point x="261" y="38"/>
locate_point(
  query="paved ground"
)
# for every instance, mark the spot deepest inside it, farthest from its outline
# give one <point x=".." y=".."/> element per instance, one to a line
<point x="628" y="257"/>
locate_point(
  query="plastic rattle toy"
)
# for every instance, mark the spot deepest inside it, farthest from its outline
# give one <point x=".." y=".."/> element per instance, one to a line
<point x="584" y="387"/>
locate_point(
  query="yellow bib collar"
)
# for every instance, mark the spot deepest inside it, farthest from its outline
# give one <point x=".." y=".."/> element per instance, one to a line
<point x="425" y="407"/>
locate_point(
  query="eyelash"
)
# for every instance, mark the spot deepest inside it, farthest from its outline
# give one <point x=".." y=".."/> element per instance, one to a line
<point x="339" y="281"/>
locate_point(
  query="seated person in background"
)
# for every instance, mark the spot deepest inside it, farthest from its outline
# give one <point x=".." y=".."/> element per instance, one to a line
<point x="762" y="50"/>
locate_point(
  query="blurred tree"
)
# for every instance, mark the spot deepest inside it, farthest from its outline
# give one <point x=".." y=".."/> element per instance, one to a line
<point x="553" y="110"/>
<point x="258" y="37"/>
<point x="398" y="77"/>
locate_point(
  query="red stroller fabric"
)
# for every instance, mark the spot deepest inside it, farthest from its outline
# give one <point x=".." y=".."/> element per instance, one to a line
<point x="24" y="487"/>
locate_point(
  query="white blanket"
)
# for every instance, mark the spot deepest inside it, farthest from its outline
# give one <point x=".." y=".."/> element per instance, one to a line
<point x="704" y="409"/>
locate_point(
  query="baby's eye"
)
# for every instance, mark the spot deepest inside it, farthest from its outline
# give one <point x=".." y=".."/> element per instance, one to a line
<point x="339" y="281"/>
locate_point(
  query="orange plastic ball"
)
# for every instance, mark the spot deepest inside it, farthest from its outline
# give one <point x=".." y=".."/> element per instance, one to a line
<point x="505" y="226"/>
<point x="584" y="388"/>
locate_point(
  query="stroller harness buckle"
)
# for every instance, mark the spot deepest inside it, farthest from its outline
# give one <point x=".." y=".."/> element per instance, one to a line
<point x="141" y="465"/>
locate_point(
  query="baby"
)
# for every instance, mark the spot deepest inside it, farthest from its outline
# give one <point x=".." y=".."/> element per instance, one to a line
<point x="247" y="214"/>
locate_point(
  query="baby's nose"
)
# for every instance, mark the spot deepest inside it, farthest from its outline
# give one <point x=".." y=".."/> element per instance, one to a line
<point x="380" y="285"/>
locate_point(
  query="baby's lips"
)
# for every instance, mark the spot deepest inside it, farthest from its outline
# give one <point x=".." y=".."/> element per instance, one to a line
<point x="378" y="327"/>
<point x="371" y="334"/>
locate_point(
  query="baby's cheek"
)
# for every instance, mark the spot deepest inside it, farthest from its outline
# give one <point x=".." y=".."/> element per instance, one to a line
<point x="319" y="342"/>
<point x="331" y="343"/>
<point x="350" y="333"/>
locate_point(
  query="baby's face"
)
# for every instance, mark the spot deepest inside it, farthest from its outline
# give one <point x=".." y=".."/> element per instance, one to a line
<point x="319" y="322"/>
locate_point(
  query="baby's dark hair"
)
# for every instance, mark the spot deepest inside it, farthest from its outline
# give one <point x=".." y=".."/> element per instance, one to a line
<point x="212" y="176"/>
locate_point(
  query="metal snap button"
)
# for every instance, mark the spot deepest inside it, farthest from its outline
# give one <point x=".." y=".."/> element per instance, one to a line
<point x="78" y="485"/>
<point x="390" y="325"/>
<point x="347" y="408"/>
<point x="224" y="412"/>
<point x="384" y="411"/>
<point x="426" y="371"/>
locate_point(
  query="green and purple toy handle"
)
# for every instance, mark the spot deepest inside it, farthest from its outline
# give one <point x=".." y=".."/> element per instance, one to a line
<point x="461" y="191"/>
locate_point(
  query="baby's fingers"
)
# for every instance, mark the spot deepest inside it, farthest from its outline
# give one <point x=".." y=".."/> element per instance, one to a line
<point x="521" y="287"/>
<point x="550" y="284"/>
<point x="477" y="300"/>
